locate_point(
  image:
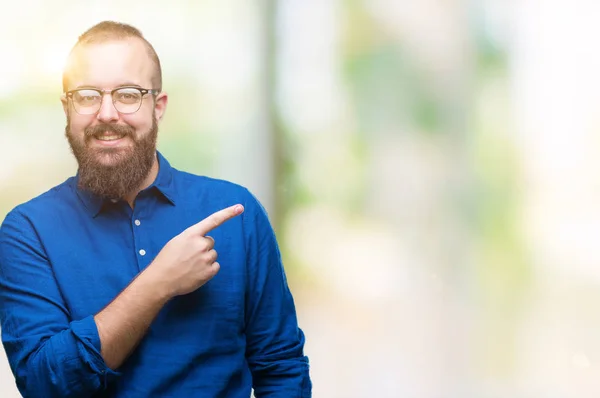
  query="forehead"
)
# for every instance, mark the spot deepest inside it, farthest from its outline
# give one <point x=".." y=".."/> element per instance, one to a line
<point x="110" y="64"/>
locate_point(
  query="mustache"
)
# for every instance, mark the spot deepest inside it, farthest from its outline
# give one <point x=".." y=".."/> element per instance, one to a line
<point x="100" y="129"/>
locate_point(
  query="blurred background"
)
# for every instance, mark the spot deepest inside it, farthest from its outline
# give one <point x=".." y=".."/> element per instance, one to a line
<point x="430" y="167"/>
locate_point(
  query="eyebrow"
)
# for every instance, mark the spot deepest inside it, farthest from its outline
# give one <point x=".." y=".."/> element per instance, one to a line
<point x="125" y="84"/>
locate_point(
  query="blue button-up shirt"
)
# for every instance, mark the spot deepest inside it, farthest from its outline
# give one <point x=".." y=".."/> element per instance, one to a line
<point x="67" y="253"/>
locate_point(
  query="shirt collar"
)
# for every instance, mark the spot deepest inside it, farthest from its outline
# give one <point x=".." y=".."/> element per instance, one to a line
<point x="164" y="180"/>
<point x="163" y="184"/>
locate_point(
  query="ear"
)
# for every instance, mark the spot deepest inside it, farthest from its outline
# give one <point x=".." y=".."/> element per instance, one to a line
<point x="65" y="104"/>
<point x="160" y="105"/>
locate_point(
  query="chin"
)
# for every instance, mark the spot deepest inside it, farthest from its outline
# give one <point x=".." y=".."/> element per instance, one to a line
<point x="110" y="156"/>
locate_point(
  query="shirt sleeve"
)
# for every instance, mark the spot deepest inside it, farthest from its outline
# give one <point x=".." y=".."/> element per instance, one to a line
<point x="50" y="354"/>
<point x="275" y="343"/>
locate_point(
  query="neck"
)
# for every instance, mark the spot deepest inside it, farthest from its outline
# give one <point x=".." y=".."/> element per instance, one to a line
<point x="130" y="197"/>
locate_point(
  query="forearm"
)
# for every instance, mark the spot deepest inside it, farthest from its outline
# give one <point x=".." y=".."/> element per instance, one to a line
<point x="124" y="322"/>
<point x="284" y="374"/>
<point x="66" y="364"/>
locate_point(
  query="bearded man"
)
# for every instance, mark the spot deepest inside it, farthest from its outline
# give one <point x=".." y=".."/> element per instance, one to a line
<point x="109" y="282"/>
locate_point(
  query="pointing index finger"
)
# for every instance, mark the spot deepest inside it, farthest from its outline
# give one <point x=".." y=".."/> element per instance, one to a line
<point x="214" y="220"/>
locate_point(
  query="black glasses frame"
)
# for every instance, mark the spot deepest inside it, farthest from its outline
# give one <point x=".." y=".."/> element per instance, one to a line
<point x="143" y="92"/>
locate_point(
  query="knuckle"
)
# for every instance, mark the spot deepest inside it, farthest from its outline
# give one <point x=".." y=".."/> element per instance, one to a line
<point x="210" y="257"/>
<point x="197" y="245"/>
<point x="203" y="245"/>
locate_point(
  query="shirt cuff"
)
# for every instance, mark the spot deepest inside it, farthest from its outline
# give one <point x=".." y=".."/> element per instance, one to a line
<point x="89" y="346"/>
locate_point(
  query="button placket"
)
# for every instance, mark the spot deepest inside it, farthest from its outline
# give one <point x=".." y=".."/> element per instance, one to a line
<point x="139" y="241"/>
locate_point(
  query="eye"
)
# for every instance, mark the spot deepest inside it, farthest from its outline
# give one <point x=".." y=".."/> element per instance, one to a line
<point x="128" y="95"/>
<point x="86" y="96"/>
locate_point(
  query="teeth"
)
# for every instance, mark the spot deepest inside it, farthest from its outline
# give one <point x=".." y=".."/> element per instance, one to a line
<point x="109" y="137"/>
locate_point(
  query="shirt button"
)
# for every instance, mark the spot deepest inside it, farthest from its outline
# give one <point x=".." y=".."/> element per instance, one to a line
<point x="137" y="222"/>
<point x="142" y="252"/>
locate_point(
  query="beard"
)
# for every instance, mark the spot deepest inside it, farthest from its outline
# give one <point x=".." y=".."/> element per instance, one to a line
<point x="123" y="170"/>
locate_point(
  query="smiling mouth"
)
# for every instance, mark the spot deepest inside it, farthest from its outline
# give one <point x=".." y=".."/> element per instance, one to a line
<point x="109" y="137"/>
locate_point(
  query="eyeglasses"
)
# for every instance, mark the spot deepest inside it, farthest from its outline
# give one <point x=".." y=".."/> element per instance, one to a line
<point x="87" y="101"/>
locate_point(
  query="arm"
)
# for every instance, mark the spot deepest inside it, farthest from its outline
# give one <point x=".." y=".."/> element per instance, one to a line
<point x="122" y="324"/>
<point x="275" y="343"/>
<point x="182" y="266"/>
<point x="52" y="356"/>
<point x="49" y="354"/>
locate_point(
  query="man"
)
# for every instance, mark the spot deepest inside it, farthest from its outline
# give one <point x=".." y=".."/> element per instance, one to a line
<point x="109" y="284"/>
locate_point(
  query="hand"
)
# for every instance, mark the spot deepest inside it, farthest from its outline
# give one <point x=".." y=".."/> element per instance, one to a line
<point x="189" y="260"/>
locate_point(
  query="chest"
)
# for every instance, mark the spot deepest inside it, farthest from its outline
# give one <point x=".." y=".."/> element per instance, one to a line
<point x="95" y="258"/>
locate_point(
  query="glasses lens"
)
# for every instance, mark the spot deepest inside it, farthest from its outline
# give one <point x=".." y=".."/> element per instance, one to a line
<point x="127" y="100"/>
<point x="86" y="101"/>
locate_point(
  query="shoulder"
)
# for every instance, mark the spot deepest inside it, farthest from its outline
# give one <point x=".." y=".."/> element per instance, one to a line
<point x="46" y="203"/>
<point x="215" y="194"/>
<point x="195" y="186"/>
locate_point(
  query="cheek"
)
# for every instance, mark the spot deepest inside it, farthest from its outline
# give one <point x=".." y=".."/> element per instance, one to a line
<point x="78" y="124"/>
<point x="74" y="129"/>
<point x="141" y="122"/>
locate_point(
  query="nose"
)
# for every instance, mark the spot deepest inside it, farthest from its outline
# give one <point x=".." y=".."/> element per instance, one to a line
<point x="107" y="112"/>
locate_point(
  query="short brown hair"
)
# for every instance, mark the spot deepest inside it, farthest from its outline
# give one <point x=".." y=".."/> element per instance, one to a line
<point x="111" y="30"/>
